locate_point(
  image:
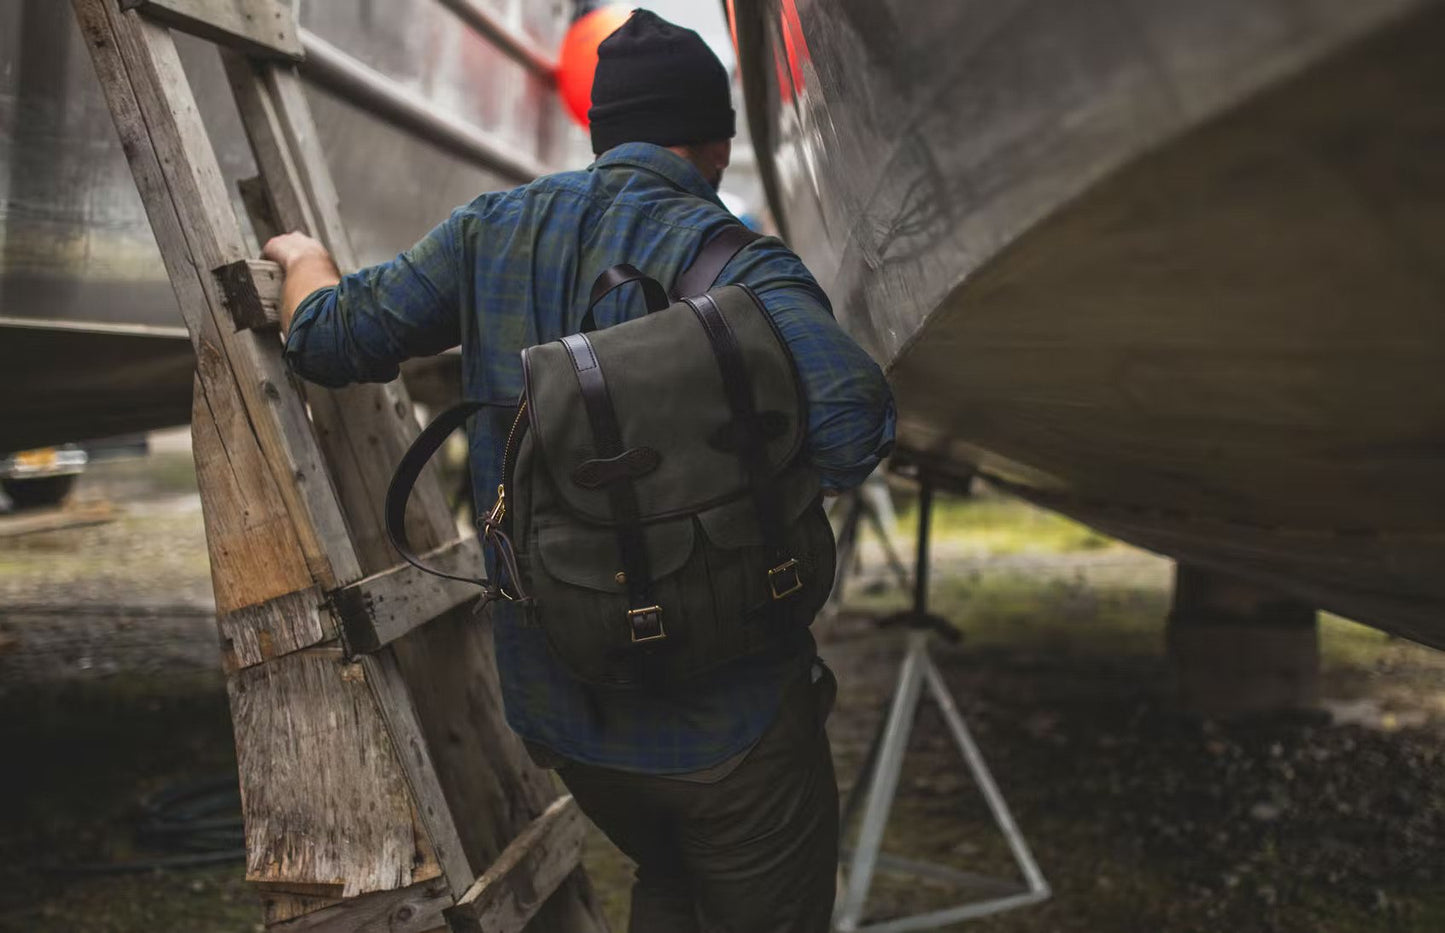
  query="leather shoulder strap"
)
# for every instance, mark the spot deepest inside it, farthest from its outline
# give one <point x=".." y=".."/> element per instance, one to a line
<point x="710" y="262"/>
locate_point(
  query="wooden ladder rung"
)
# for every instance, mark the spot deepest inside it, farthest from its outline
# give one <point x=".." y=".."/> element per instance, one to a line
<point x="251" y="289"/>
<point x="257" y="27"/>
<point x="506" y="896"/>
<point x="378" y="610"/>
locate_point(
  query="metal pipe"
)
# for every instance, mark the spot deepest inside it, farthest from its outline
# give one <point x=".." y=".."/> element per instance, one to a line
<point x="925" y="521"/>
<point x="345" y="76"/>
<point x="515" y="45"/>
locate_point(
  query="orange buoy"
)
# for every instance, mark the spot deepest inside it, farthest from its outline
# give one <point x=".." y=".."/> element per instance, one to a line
<point x="578" y="62"/>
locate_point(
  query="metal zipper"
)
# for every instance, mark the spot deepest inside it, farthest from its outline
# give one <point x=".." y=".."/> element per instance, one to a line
<point x="508" y="452"/>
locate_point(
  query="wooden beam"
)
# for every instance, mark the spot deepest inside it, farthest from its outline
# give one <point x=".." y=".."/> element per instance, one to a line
<point x="251" y="289"/>
<point x="383" y="607"/>
<point x="254" y="634"/>
<point x="415" y="909"/>
<point x="257" y="27"/>
<point x="506" y="896"/>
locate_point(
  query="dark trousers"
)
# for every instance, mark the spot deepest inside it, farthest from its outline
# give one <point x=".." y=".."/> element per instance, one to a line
<point x="754" y="852"/>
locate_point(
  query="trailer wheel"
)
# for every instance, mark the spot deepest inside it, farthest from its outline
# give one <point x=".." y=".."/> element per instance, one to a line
<point x="40" y="491"/>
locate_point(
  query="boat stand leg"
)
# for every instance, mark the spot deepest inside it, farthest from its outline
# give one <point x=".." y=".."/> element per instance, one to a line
<point x="883" y="784"/>
<point x="882" y="769"/>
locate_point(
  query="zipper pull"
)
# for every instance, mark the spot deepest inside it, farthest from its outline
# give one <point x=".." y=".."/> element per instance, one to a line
<point x="499" y="508"/>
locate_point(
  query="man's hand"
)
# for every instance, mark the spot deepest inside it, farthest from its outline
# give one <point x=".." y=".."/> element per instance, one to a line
<point x="308" y="267"/>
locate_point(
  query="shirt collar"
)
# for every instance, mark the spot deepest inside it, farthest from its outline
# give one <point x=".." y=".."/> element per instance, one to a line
<point x="672" y="167"/>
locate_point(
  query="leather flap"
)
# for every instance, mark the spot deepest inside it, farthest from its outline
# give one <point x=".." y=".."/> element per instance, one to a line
<point x="666" y="390"/>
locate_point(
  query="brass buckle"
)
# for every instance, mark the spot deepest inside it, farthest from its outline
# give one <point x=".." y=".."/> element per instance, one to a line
<point x="632" y="624"/>
<point x="789" y="586"/>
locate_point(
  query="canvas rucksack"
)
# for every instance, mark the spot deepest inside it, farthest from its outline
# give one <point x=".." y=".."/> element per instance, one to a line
<point x="657" y="517"/>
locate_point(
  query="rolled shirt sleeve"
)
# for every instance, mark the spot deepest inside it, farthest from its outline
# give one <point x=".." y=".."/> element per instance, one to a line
<point x="363" y="328"/>
<point x="851" y="418"/>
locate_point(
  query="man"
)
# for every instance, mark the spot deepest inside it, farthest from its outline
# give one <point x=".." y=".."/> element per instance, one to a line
<point x="722" y="793"/>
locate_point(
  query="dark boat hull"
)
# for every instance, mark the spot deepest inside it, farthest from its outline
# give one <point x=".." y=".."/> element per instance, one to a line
<point x="1172" y="268"/>
<point x="90" y="338"/>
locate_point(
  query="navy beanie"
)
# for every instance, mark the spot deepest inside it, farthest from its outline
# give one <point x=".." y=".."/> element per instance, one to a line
<point x="658" y="83"/>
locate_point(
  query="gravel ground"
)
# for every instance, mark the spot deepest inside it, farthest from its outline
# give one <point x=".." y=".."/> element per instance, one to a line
<point x="1142" y="818"/>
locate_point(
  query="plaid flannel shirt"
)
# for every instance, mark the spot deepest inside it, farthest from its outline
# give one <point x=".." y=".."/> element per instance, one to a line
<point x="513" y="269"/>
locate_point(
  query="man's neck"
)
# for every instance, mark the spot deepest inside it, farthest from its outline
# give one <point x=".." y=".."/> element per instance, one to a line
<point x="708" y="171"/>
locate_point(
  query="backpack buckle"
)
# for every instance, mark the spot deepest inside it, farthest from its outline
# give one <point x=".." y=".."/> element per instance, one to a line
<point x="645" y="624"/>
<point x="785" y="580"/>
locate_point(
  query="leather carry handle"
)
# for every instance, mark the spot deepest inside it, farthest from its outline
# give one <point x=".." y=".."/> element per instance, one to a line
<point x="696" y="279"/>
<point x="613" y="279"/>
<point x="398" y="493"/>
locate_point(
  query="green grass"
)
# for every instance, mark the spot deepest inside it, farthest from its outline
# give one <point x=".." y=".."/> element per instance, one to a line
<point x="993" y="524"/>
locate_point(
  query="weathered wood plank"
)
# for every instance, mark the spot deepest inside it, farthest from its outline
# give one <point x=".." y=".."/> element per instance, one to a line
<point x="264" y="631"/>
<point x="71" y="516"/>
<point x="324" y="798"/>
<point x="255" y="554"/>
<point x="417" y="909"/>
<point x="251" y="289"/>
<point x="383" y="607"/>
<point x="399" y="713"/>
<point x="509" y="893"/>
<point x="259" y="27"/>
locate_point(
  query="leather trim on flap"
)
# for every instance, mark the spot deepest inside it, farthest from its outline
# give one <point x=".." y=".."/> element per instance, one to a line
<point x="668" y="395"/>
<point x="584" y="556"/>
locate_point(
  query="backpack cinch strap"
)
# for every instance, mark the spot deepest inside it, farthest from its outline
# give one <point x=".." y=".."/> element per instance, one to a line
<point x="644" y="616"/>
<point x="783" y="577"/>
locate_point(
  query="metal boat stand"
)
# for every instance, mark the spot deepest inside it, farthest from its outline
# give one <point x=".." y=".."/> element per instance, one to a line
<point x="879" y="777"/>
<point x="868" y="506"/>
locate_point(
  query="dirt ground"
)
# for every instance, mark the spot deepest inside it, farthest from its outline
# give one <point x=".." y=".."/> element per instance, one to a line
<point x="1142" y="818"/>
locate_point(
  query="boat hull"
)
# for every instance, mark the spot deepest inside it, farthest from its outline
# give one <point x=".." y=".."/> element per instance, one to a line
<point x="76" y="251"/>
<point x="1174" y="269"/>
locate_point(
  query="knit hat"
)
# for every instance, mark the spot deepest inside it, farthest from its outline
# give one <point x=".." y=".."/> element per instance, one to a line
<point x="658" y="83"/>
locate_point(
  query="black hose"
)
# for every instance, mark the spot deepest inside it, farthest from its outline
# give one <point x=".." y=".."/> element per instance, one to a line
<point x="193" y="823"/>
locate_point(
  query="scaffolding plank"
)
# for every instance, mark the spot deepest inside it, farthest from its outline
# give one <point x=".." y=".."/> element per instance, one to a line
<point x="509" y="893"/>
<point x="383" y="607"/>
<point x="258" y="27"/>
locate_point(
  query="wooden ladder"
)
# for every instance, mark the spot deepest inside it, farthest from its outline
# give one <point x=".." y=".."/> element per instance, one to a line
<point x="376" y="770"/>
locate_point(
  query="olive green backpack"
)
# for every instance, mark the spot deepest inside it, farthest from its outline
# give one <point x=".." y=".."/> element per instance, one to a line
<point x="657" y="516"/>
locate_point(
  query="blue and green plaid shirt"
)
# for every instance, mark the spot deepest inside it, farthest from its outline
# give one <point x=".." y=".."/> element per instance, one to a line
<point x="513" y="269"/>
